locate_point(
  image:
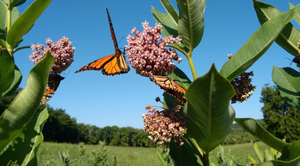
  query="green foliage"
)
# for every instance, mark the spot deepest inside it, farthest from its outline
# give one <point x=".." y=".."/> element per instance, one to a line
<point x="208" y="109"/>
<point x="191" y="22"/>
<point x="291" y="151"/>
<point x="6" y="72"/>
<point x="288" y="37"/>
<point x="183" y="155"/>
<point x="24" y="23"/>
<point x="238" y="135"/>
<point x="269" y="155"/>
<point x="100" y="157"/>
<point x="280" y="118"/>
<point x="24" y="106"/>
<point x="256" y="45"/>
<point x="24" y="148"/>
<point x="169" y="22"/>
<point x="287" y="80"/>
<point x="223" y="158"/>
<point x="163" y="154"/>
<point x="254" y="128"/>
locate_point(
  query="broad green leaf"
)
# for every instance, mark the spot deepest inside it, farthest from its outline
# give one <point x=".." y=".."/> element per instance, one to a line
<point x="287" y="80"/>
<point x="169" y="27"/>
<point x="7" y="71"/>
<point x="25" y="104"/>
<point x="256" y="45"/>
<point x="191" y="22"/>
<point x="290" y="151"/>
<point x="203" y="3"/>
<point x="2" y="22"/>
<point x="297" y="15"/>
<point x="16" y="2"/>
<point x="11" y="163"/>
<point x="255" y="129"/>
<point x="23" y="150"/>
<point x="268" y="155"/>
<point x="24" y="23"/>
<point x="288" y="37"/>
<point x="161" y="157"/>
<point x="183" y="155"/>
<point x="2" y="43"/>
<point x="252" y="159"/>
<point x="210" y="115"/>
<point x="16" y="82"/>
<point x="14" y="15"/>
<point x="170" y="10"/>
<point x="258" y="153"/>
<point x="295" y="162"/>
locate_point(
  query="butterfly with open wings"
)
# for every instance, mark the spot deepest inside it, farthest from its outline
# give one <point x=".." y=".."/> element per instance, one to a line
<point x="112" y="64"/>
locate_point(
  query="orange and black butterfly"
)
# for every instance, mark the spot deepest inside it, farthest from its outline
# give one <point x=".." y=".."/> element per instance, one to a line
<point x="112" y="64"/>
<point x="52" y="85"/>
<point x="170" y="86"/>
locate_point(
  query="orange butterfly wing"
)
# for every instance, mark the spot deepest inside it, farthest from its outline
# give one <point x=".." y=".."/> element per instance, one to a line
<point x="52" y="85"/>
<point x="170" y="86"/>
<point x="112" y="64"/>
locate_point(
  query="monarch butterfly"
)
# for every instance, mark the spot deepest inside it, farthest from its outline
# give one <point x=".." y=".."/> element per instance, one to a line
<point x="52" y="85"/>
<point x="170" y="86"/>
<point x="112" y="64"/>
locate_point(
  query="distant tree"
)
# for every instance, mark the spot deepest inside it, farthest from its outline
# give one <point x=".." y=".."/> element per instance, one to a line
<point x="60" y="127"/>
<point x="281" y="119"/>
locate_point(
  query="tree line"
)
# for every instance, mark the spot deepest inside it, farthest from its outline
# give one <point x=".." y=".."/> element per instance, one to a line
<point x="279" y="118"/>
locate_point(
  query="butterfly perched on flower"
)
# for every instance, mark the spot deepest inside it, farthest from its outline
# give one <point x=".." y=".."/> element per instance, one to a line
<point x="52" y="85"/>
<point x="170" y="86"/>
<point x="112" y="64"/>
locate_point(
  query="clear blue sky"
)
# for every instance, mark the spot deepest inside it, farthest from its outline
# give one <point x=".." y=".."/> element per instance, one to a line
<point x="93" y="98"/>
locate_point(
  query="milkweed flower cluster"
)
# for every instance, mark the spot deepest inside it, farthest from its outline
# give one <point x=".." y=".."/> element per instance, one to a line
<point x="62" y="52"/>
<point x="147" y="51"/>
<point x="242" y="86"/>
<point x="161" y="126"/>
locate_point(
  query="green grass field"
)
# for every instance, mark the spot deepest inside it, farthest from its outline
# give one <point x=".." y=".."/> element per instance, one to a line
<point x="129" y="156"/>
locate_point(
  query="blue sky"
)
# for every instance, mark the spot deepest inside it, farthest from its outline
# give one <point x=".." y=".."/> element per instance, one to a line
<point x="93" y="98"/>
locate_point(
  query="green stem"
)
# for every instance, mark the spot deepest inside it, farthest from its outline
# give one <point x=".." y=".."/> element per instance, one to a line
<point x="8" y="19"/>
<point x="205" y="159"/>
<point x="189" y="57"/>
<point x="20" y="48"/>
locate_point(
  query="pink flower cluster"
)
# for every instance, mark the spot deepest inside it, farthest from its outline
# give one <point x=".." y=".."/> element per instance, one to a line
<point x="161" y="126"/>
<point x="62" y="52"/>
<point x="147" y="52"/>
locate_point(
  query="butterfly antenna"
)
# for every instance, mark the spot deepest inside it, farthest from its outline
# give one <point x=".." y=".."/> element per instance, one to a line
<point x="121" y="39"/>
<point x="66" y="75"/>
<point x="290" y="60"/>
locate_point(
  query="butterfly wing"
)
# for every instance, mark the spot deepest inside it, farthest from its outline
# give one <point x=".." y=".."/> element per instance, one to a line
<point x="97" y="64"/>
<point x="52" y="85"/>
<point x="170" y="86"/>
<point x="116" y="65"/>
<point x="112" y="64"/>
<point x="112" y="32"/>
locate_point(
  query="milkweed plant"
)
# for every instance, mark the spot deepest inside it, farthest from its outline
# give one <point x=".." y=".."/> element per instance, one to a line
<point x="192" y="127"/>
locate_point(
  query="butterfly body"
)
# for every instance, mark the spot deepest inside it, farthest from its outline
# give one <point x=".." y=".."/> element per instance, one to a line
<point x="52" y="85"/>
<point x="110" y="65"/>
